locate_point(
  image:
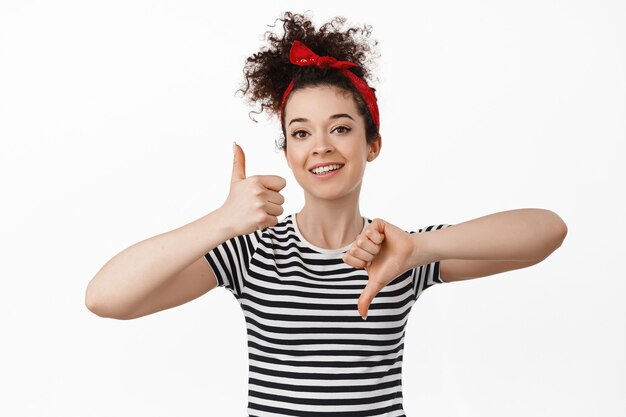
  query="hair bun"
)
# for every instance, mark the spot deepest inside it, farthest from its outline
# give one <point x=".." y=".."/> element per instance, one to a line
<point x="268" y="72"/>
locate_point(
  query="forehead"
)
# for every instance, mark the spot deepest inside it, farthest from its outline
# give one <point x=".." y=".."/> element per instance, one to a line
<point x="319" y="102"/>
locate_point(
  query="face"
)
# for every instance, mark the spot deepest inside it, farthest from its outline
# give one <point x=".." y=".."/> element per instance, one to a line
<point x="324" y="129"/>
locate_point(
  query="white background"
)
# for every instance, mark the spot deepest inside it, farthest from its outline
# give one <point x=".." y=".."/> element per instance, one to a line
<point x="116" y="124"/>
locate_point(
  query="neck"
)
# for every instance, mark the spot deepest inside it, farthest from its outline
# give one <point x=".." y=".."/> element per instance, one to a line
<point x="330" y="224"/>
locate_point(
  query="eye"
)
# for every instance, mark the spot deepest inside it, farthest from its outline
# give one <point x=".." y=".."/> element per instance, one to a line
<point x="345" y="129"/>
<point x="296" y="134"/>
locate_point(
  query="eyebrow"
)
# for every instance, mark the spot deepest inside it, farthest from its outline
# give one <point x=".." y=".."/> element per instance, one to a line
<point x="333" y="117"/>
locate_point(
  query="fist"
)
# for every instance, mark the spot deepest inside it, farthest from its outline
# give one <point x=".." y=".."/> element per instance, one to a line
<point x="253" y="203"/>
<point x="384" y="250"/>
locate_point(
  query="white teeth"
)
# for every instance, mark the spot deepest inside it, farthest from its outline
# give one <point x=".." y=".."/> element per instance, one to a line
<point x="321" y="170"/>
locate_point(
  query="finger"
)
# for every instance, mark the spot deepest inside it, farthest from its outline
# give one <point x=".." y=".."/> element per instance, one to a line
<point x="374" y="235"/>
<point x="361" y="254"/>
<point x="353" y="261"/>
<point x="364" y="243"/>
<point x="377" y="228"/>
<point x="239" y="164"/>
<point x="273" y="209"/>
<point x="367" y="295"/>
<point x="268" y="221"/>
<point x="274" y="197"/>
<point x="273" y="182"/>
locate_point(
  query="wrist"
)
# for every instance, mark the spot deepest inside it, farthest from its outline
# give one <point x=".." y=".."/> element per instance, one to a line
<point x="220" y="219"/>
<point x="422" y="252"/>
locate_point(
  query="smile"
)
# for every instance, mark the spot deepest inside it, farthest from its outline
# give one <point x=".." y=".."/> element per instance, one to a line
<point x="326" y="170"/>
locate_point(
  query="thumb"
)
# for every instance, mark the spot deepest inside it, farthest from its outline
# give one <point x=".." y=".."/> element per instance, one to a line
<point x="367" y="295"/>
<point x="239" y="164"/>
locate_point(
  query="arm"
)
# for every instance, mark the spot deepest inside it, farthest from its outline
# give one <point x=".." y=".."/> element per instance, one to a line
<point x="158" y="273"/>
<point x="490" y="244"/>
<point x="487" y="245"/>
<point x="169" y="269"/>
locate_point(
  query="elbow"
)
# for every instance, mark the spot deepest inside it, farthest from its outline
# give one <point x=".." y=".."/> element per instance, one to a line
<point x="93" y="304"/>
<point x="91" y="301"/>
<point x="100" y="308"/>
<point x="559" y="231"/>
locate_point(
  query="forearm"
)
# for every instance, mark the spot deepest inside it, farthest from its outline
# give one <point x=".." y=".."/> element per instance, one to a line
<point x="133" y="274"/>
<point x="514" y="235"/>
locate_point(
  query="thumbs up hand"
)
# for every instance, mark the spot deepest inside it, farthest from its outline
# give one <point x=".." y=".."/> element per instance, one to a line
<point x="384" y="250"/>
<point x="253" y="203"/>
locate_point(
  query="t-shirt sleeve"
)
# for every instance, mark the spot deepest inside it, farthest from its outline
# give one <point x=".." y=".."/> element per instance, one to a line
<point x="230" y="261"/>
<point x="425" y="276"/>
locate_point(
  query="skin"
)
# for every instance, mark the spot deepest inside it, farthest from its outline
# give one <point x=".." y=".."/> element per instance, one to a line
<point x="134" y="283"/>
<point x="331" y="217"/>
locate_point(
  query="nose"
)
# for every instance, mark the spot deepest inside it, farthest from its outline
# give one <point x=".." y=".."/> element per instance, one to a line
<point x="322" y="144"/>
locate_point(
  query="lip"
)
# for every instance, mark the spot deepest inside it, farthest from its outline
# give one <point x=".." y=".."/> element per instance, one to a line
<point x="323" y="164"/>
<point x="327" y="174"/>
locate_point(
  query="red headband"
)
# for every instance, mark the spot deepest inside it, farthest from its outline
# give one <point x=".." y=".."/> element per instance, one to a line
<point x="301" y="55"/>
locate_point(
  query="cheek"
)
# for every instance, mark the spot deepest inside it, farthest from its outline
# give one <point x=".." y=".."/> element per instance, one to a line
<point x="356" y="154"/>
<point x="294" y="159"/>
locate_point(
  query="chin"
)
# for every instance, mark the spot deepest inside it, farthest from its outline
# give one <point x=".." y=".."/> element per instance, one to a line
<point x="330" y="194"/>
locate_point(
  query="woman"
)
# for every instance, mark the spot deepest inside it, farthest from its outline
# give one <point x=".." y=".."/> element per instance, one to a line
<point x="307" y="282"/>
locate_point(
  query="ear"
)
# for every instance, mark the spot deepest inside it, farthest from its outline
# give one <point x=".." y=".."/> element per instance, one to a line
<point x="374" y="148"/>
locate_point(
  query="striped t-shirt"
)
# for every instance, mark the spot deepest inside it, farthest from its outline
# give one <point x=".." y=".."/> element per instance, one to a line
<point x="310" y="353"/>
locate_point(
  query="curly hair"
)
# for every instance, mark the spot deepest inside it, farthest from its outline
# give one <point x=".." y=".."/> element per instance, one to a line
<point x="268" y="72"/>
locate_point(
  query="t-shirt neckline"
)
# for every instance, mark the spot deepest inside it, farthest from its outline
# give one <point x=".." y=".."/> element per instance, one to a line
<point x="317" y="248"/>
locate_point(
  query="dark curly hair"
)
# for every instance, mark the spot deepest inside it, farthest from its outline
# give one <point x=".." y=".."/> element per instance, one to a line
<point x="269" y="72"/>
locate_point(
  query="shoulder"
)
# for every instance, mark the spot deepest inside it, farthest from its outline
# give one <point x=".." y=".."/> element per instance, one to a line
<point x="284" y="226"/>
<point x="283" y="231"/>
<point x="431" y="228"/>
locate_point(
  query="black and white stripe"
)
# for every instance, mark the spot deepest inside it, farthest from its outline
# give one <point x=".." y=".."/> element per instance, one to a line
<point x="310" y="353"/>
